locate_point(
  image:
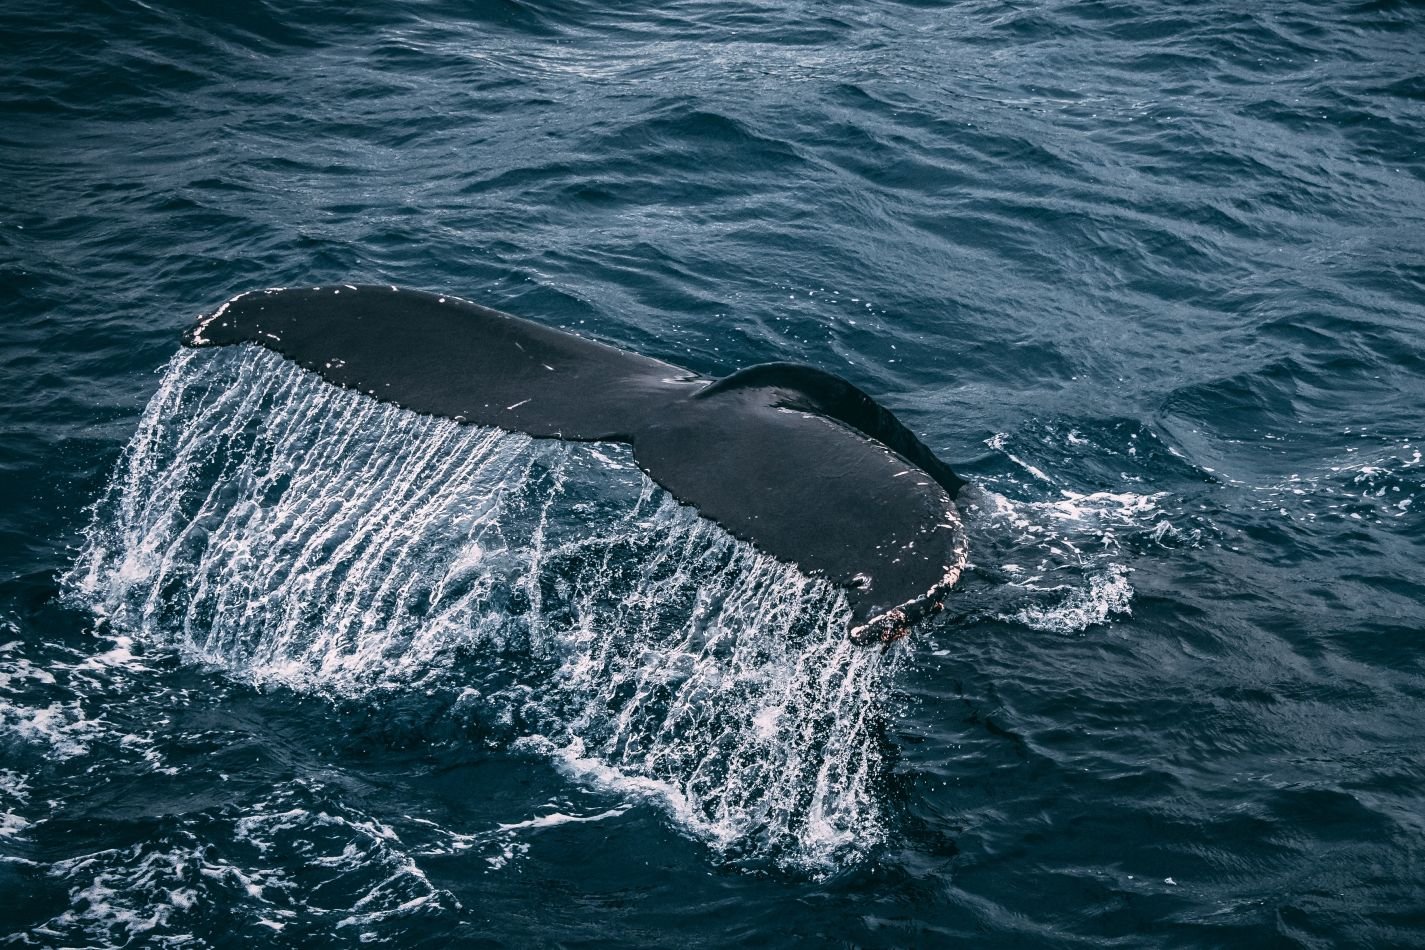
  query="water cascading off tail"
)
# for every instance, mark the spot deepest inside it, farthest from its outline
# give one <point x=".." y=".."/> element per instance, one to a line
<point x="296" y="533"/>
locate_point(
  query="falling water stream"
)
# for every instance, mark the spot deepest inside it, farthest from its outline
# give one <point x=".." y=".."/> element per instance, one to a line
<point x="298" y="534"/>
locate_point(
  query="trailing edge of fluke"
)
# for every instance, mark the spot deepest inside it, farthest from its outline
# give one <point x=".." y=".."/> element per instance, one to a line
<point x="794" y="460"/>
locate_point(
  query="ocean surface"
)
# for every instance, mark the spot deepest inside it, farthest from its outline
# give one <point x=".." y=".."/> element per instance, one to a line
<point x="280" y="666"/>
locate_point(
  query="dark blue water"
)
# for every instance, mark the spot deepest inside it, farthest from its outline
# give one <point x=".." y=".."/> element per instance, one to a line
<point x="281" y="667"/>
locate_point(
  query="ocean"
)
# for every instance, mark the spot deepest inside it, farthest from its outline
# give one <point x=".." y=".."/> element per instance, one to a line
<point x="284" y="666"/>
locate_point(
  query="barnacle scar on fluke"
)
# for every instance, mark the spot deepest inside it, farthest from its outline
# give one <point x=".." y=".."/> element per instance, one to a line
<point x="792" y="459"/>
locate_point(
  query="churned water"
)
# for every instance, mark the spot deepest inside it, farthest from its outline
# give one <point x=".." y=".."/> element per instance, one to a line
<point x="279" y="665"/>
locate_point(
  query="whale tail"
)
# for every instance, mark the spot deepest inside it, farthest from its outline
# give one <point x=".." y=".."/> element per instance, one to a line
<point x="794" y="460"/>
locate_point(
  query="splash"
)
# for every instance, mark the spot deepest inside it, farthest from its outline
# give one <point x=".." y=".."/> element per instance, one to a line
<point x="1106" y="594"/>
<point x="1058" y="563"/>
<point x="294" y="533"/>
<point x="1059" y="555"/>
<point x="357" y="882"/>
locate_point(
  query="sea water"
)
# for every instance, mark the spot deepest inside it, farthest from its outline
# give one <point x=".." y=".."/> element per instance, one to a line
<point x="279" y="665"/>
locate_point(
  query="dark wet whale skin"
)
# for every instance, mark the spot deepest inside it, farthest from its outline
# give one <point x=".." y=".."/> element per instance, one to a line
<point x="793" y="459"/>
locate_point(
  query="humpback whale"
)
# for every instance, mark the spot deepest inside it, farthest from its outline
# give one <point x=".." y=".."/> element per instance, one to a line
<point x="795" y="460"/>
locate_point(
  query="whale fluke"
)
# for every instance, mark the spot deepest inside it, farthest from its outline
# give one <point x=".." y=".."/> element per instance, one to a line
<point x="792" y="459"/>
